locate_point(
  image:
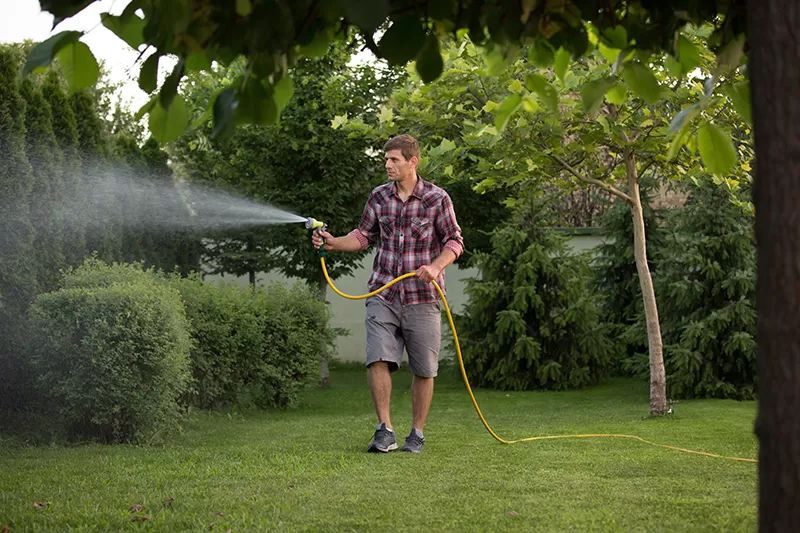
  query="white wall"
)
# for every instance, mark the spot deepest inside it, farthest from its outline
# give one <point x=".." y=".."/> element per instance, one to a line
<point x="349" y="314"/>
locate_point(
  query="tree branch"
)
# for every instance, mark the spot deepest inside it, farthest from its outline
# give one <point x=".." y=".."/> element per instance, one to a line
<point x="605" y="186"/>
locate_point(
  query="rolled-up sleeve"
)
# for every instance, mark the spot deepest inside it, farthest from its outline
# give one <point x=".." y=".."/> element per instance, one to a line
<point x="368" y="230"/>
<point x="448" y="228"/>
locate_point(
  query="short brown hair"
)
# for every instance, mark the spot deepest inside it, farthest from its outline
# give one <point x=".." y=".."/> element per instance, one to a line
<point x="407" y="144"/>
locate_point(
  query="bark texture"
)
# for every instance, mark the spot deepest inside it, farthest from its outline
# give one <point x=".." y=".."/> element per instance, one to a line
<point x="658" y="380"/>
<point x="774" y="66"/>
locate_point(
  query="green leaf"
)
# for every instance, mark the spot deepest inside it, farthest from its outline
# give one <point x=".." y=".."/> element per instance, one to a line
<point x="682" y="119"/>
<point x="78" y="65"/>
<point x="677" y="142"/>
<point x="402" y="41"/>
<point x="148" y="75"/>
<point x="673" y="66"/>
<point x="529" y="104"/>
<point x="617" y="94"/>
<point x="197" y="61"/>
<point x="541" y="54"/>
<point x="338" y="121"/>
<point x="243" y="8"/>
<point x="617" y="37"/>
<point x="506" y="109"/>
<point x="43" y="53"/>
<point x="740" y="98"/>
<point x="224" y="112"/>
<point x="611" y="54"/>
<point x="544" y="90"/>
<point x="129" y="28"/>
<point x="592" y="93"/>
<point x="283" y="91"/>
<point x="319" y="44"/>
<point x="716" y="149"/>
<point x="366" y="15"/>
<point x="170" y="87"/>
<point x="168" y="124"/>
<point x="429" y="60"/>
<point x="257" y="104"/>
<point x="642" y="82"/>
<point x="730" y="57"/>
<point x="688" y="54"/>
<point x="561" y="63"/>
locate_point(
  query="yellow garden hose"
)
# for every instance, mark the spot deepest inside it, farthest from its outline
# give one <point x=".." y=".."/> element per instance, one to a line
<point x="475" y="402"/>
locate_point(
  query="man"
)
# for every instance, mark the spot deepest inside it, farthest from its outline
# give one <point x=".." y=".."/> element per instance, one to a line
<point x="413" y="225"/>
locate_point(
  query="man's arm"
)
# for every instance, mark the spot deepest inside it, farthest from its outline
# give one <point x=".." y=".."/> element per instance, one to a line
<point x="346" y="243"/>
<point x="430" y="272"/>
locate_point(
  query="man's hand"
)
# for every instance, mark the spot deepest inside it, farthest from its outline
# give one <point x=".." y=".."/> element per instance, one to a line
<point x="319" y="238"/>
<point x="428" y="273"/>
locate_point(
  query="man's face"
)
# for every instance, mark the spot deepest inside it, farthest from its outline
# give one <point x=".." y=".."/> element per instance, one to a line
<point x="397" y="166"/>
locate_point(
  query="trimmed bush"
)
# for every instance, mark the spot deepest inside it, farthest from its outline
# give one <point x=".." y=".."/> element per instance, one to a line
<point x="114" y="360"/>
<point x="294" y="323"/>
<point x="531" y="321"/>
<point x="265" y="345"/>
<point x="228" y="339"/>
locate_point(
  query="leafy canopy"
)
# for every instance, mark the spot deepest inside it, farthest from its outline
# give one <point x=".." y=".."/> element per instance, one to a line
<point x="273" y="34"/>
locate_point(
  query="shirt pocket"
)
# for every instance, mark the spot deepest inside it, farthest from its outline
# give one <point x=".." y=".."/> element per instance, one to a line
<point x="387" y="226"/>
<point x="421" y="228"/>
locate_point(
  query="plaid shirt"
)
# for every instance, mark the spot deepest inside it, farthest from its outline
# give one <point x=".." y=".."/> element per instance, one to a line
<point x="408" y="235"/>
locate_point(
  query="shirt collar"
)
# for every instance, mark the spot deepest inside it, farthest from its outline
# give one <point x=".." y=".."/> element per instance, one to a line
<point x="417" y="188"/>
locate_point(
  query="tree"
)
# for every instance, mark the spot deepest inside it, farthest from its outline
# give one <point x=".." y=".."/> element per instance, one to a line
<point x="773" y="50"/>
<point x="774" y="56"/>
<point x="47" y="165"/>
<point x="707" y="286"/>
<point x="17" y="262"/>
<point x="65" y="129"/>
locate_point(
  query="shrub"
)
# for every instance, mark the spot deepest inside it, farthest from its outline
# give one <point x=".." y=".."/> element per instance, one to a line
<point x="531" y="321"/>
<point x="266" y="343"/>
<point x="294" y="323"/>
<point x="113" y="359"/>
<point x="706" y="285"/>
<point x="228" y="337"/>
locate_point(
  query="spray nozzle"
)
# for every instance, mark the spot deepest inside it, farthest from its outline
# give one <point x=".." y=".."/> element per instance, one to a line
<point x="312" y="224"/>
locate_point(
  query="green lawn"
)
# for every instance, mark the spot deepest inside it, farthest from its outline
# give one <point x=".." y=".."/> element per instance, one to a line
<point x="306" y="469"/>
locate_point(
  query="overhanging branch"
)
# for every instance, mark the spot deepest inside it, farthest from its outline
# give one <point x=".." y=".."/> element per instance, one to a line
<point x="605" y="186"/>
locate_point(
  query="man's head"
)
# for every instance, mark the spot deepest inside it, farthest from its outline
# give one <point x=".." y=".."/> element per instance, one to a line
<point x="401" y="157"/>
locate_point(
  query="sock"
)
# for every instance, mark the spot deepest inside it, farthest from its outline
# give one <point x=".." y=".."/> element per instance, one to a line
<point x="378" y="426"/>
<point x="418" y="432"/>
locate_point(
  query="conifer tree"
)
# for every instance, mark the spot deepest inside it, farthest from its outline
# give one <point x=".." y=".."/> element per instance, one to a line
<point x="103" y="230"/>
<point x="45" y="157"/>
<point x="17" y="274"/>
<point x="65" y="128"/>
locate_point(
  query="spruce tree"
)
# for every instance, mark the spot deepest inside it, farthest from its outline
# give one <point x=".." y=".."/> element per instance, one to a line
<point x="46" y="159"/>
<point x="707" y="279"/>
<point x="17" y="273"/>
<point x="65" y="128"/>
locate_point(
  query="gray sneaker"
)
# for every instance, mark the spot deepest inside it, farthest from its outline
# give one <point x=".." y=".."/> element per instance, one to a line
<point x="414" y="442"/>
<point x="383" y="440"/>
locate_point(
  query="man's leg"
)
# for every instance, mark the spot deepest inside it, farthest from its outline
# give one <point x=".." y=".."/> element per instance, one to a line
<point x="422" y="331"/>
<point x="384" y="353"/>
<point x="421" y="396"/>
<point x="380" y="386"/>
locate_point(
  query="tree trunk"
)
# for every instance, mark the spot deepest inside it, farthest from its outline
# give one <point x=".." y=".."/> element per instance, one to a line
<point x="658" y="381"/>
<point x="251" y="276"/>
<point x="774" y="30"/>
<point x="324" y="371"/>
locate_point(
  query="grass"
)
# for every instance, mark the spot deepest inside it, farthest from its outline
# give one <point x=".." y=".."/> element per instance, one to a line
<point x="306" y="469"/>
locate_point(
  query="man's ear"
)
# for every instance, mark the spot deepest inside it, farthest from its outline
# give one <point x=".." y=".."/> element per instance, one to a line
<point x="414" y="161"/>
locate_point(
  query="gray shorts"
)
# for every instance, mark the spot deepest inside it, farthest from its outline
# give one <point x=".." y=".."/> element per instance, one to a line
<point x="392" y="327"/>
